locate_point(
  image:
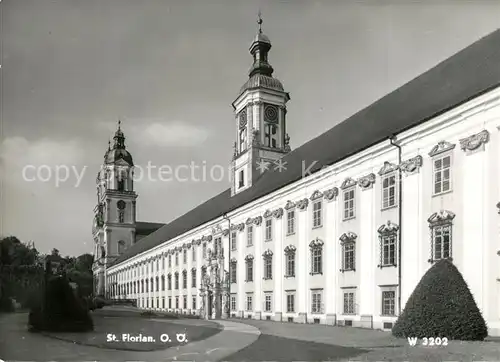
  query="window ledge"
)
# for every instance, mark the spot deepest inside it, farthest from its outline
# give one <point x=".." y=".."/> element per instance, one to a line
<point x="268" y="240"/>
<point x="349" y="314"/>
<point x="317" y="227"/>
<point x="381" y="266"/>
<point x="316" y="273"/>
<point x="347" y="270"/>
<point x="349" y="218"/>
<point x="289" y="276"/>
<point x="442" y="193"/>
<point x="395" y="206"/>
<point x="267" y="278"/>
<point x="435" y="260"/>
<point x="388" y="315"/>
<point x="290" y="234"/>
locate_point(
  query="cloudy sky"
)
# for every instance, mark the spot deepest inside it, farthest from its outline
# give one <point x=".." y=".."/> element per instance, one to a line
<point x="170" y="70"/>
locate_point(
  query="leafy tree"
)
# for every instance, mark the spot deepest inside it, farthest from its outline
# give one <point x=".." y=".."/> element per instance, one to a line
<point x="441" y="306"/>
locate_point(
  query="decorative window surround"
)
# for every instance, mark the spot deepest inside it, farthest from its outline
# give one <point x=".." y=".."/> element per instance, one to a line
<point x="257" y="221"/>
<point x="302" y="204"/>
<point x="289" y="205"/>
<point x="316" y="249"/>
<point x="412" y="165"/>
<point x="388" y="168"/>
<point x="290" y="251"/>
<point x="348" y="243"/>
<point x="366" y="182"/>
<point x="498" y="207"/>
<point x="388" y="236"/>
<point x="331" y="194"/>
<point x="268" y="214"/>
<point x="475" y="142"/>
<point x="316" y="195"/>
<point x="278" y="213"/>
<point x="441" y="147"/>
<point x="440" y="224"/>
<point x="249" y="268"/>
<point x="268" y="264"/>
<point x="348" y="182"/>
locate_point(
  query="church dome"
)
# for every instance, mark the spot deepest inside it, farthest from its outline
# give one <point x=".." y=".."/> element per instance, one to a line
<point x="117" y="154"/>
<point x="261" y="38"/>
<point x="262" y="81"/>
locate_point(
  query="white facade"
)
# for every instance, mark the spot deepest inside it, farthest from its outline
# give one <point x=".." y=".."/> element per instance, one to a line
<point x="336" y="288"/>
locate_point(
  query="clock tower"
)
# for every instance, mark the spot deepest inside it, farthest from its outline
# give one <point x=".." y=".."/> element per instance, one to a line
<point x="115" y="213"/>
<point x="260" y="117"/>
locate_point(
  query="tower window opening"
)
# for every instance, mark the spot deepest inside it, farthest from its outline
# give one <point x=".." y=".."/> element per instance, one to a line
<point x="241" y="179"/>
<point x="271" y="131"/>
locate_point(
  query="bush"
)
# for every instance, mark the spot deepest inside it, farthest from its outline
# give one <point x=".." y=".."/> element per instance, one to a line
<point x="62" y="312"/>
<point x="441" y="306"/>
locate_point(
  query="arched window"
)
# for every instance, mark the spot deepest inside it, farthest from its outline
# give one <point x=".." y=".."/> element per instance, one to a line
<point x="121" y="247"/>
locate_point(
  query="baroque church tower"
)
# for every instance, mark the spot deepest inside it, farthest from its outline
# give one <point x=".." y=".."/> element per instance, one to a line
<point x="115" y="213"/>
<point x="260" y="114"/>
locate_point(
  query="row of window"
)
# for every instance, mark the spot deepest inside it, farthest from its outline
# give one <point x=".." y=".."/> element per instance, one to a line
<point x="150" y="303"/>
<point x="388" y="302"/>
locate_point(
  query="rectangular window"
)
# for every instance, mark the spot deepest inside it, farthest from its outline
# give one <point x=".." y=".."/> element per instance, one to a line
<point x="169" y="281"/>
<point x="441" y="242"/>
<point x="194" y="253"/>
<point x="389" y="250"/>
<point x="290" y="217"/>
<point x="270" y="131"/>
<point x="290" y="264"/>
<point x="193" y="279"/>
<point x="442" y="174"/>
<point x="176" y="302"/>
<point x="176" y="259"/>
<point x="185" y="256"/>
<point x="389" y="191"/>
<point x="349" y="196"/>
<point x="163" y="263"/>
<point x="185" y="301"/>
<point x="194" y="303"/>
<point x="290" y="302"/>
<point x="169" y="260"/>
<point x="349" y="256"/>
<point x="249" y="303"/>
<point x="316" y="260"/>
<point x="169" y="302"/>
<point x="163" y="302"/>
<point x="268" y="302"/>
<point x="233" y="302"/>
<point x="233" y="272"/>
<point x="316" y="302"/>
<point x="176" y="280"/>
<point x="317" y="214"/>
<point x="233" y="241"/>
<point x="217" y="246"/>
<point x="269" y="229"/>
<point x="349" y="303"/>
<point x="268" y="267"/>
<point x="389" y="302"/>
<point x="157" y="302"/>
<point x="249" y="271"/>
<point x="184" y="280"/>
<point x="249" y="235"/>
<point x="204" y="251"/>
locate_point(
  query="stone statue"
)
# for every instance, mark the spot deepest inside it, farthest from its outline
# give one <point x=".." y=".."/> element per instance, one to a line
<point x="255" y="137"/>
<point x="209" y="254"/>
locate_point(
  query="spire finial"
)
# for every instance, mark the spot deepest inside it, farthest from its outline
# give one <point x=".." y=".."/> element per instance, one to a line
<point x="109" y="145"/>
<point x="119" y="124"/>
<point x="259" y="21"/>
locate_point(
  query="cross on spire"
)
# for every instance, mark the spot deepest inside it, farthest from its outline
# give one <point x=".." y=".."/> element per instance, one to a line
<point x="259" y="21"/>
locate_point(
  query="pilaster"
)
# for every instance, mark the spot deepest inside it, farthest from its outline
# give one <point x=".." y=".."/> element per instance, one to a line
<point x="258" y="268"/>
<point x="302" y="263"/>
<point x="278" y="267"/>
<point x="367" y="255"/>
<point x="331" y="268"/>
<point x="240" y="272"/>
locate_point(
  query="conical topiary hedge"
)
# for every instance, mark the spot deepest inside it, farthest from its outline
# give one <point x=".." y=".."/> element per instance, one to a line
<point x="441" y="306"/>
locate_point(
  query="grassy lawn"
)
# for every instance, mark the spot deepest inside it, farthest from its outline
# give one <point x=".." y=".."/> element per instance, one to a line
<point x="114" y="327"/>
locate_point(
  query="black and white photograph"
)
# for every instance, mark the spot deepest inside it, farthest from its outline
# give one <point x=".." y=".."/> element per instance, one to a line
<point x="249" y="180"/>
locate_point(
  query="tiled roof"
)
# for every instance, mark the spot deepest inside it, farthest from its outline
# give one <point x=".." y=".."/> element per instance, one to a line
<point x="146" y="228"/>
<point x="465" y="75"/>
